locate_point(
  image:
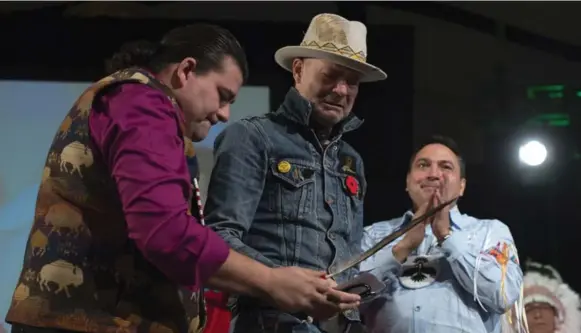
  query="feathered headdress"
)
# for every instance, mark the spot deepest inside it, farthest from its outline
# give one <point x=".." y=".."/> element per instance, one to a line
<point x="542" y="283"/>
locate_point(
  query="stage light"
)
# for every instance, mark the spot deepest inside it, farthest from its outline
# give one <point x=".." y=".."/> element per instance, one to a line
<point x="533" y="153"/>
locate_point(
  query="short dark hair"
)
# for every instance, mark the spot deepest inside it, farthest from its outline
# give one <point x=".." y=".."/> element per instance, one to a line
<point x="208" y="44"/>
<point x="444" y="141"/>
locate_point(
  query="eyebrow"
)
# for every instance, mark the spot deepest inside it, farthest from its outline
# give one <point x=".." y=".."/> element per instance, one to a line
<point x="425" y="159"/>
<point x="345" y="73"/>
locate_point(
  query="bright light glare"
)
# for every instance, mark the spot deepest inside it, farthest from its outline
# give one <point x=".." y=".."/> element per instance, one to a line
<point x="533" y="153"/>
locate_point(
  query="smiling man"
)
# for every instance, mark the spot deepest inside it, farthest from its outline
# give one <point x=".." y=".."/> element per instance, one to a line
<point x="286" y="190"/>
<point x="454" y="273"/>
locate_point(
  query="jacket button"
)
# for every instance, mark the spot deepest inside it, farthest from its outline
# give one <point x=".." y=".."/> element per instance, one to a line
<point x="332" y="268"/>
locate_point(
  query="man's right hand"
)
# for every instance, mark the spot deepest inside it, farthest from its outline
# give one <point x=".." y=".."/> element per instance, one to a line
<point x="414" y="237"/>
<point x="296" y="289"/>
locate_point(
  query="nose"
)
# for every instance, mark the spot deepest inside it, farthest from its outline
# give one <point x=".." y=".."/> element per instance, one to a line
<point x="341" y="88"/>
<point x="223" y="113"/>
<point x="434" y="173"/>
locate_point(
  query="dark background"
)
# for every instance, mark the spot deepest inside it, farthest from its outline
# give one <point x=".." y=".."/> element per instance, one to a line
<point x="540" y="207"/>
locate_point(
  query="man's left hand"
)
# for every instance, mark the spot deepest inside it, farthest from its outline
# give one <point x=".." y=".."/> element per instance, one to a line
<point x="441" y="222"/>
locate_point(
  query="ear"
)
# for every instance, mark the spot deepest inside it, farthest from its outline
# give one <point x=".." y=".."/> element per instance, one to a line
<point x="462" y="186"/>
<point x="185" y="70"/>
<point x="297" y="69"/>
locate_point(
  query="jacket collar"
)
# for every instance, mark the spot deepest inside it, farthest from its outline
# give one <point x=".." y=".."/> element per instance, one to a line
<point x="298" y="110"/>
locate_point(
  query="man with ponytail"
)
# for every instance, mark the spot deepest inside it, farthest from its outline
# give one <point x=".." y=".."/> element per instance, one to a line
<point x="118" y="242"/>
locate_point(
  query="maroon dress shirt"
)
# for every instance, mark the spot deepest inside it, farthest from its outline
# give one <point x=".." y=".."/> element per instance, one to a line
<point x="136" y="132"/>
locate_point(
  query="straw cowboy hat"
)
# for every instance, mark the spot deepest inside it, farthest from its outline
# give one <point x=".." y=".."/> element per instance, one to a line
<point x="334" y="38"/>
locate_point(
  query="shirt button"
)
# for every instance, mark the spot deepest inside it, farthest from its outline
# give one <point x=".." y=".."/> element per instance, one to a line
<point x="332" y="236"/>
<point x="417" y="308"/>
<point x="329" y="201"/>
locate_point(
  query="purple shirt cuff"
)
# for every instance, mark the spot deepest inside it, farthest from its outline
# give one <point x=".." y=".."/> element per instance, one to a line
<point x="135" y="130"/>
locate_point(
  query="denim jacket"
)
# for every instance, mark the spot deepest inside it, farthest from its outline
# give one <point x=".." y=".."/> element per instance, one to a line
<point x="278" y="196"/>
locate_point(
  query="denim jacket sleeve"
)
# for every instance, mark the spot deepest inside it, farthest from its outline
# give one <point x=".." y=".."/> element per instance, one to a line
<point x="236" y="185"/>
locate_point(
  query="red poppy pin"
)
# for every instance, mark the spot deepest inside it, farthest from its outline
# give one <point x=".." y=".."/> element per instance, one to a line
<point x="352" y="185"/>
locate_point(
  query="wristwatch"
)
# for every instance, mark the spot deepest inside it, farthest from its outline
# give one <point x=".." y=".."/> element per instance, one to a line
<point x="444" y="238"/>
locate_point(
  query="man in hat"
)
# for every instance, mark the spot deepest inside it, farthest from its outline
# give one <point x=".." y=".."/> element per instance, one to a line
<point x="454" y="273"/>
<point x="286" y="190"/>
<point x="551" y="305"/>
<point x="117" y="243"/>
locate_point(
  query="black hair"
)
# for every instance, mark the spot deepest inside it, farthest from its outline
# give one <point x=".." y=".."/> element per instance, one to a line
<point x="208" y="44"/>
<point x="444" y="141"/>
